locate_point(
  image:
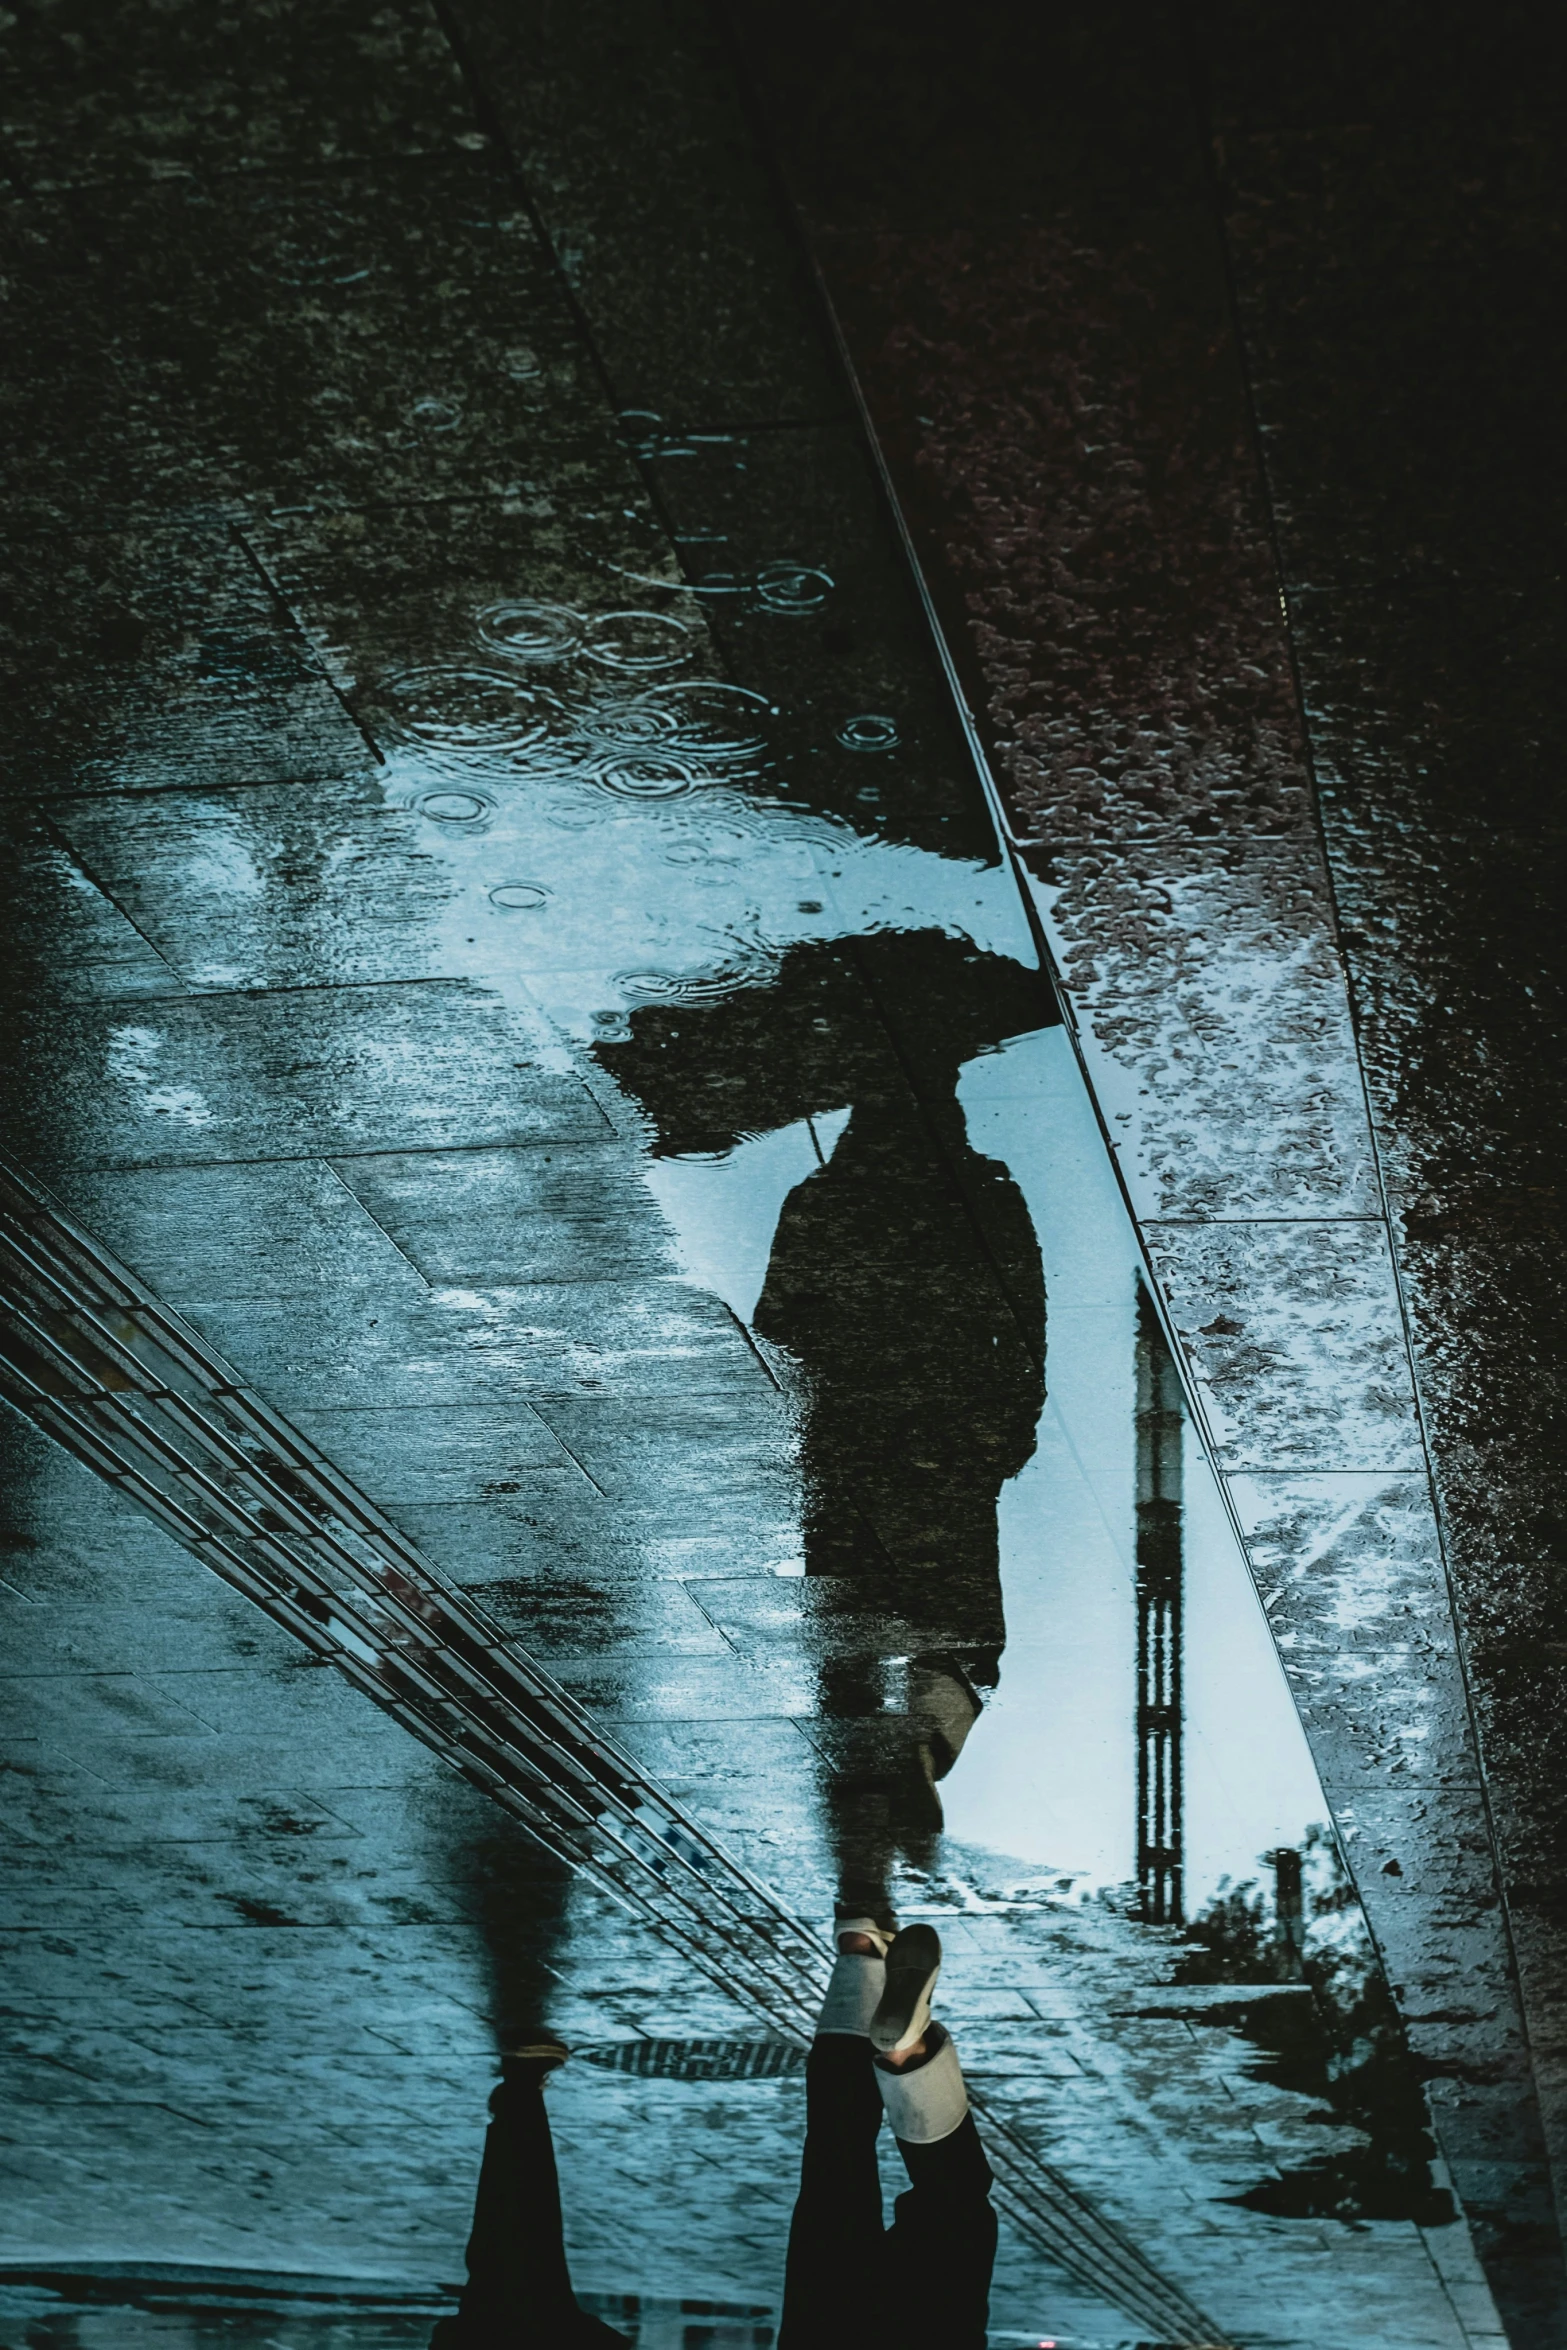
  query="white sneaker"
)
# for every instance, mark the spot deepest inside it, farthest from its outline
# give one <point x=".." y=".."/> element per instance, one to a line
<point x="925" y="2102"/>
<point x="871" y="1928"/>
<point x="859" y="1978"/>
<point x="913" y="1963"/>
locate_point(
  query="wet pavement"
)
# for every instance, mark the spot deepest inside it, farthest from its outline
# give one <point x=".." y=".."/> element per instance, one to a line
<point x="595" y="1352"/>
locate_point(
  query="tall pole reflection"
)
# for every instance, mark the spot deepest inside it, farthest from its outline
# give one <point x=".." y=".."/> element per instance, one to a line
<point x="1159" y="1421"/>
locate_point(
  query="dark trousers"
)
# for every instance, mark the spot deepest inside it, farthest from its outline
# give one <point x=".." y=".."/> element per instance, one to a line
<point x="923" y="2283"/>
<point x="518" y="2295"/>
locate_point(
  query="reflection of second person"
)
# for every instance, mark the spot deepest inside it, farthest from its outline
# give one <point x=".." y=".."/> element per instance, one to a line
<point x="923" y="2283"/>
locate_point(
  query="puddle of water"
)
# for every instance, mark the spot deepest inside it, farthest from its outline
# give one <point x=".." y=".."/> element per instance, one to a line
<point x="1054" y="1785"/>
<point x="1051" y="1699"/>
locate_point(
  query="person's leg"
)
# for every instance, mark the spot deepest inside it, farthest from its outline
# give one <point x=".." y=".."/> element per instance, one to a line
<point x="518" y="2295"/>
<point x="942" y="2245"/>
<point x="832" y="2280"/>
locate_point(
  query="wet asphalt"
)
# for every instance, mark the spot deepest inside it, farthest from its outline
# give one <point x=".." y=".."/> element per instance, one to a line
<point x="578" y="1364"/>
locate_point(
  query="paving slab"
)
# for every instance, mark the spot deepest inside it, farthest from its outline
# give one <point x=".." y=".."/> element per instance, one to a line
<point x="94" y="94"/>
<point x="235" y="341"/>
<point x="187" y="1081"/>
<point x="155" y="654"/>
<point x="699" y="304"/>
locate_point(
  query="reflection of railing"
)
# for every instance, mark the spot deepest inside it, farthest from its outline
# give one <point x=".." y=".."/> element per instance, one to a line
<point x="101" y="1365"/>
<point x="1160" y="1419"/>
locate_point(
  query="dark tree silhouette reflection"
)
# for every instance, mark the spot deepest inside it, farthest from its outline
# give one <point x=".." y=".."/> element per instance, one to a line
<point x="1342" y="2042"/>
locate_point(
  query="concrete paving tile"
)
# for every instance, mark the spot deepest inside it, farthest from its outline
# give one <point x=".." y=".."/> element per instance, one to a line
<point x="744" y="506"/>
<point x="359" y="340"/>
<point x="92" y="94"/>
<point x="111" y="1807"/>
<point x="130" y="1794"/>
<point x="1488" y="1321"/>
<point x="290" y="1230"/>
<point x="1025" y="94"/>
<point x="235" y="888"/>
<point x="57" y="1708"/>
<point x="98" y="2078"/>
<point x="552" y="1615"/>
<point x="695" y="1752"/>
<point x="1206" y="949"/>
<point x="70" y="1636"/>
<point x="1295" y="1340"/>
<point x="709" y="1448"/>
<point x="469" y="1347"/>
<point x="696" y="1555"/>
<point x="1350" y="1570"/>
<point x="540" y="1530"/>
<point x="847" y="1616"/>
<point x="1339" y="523"/>
<point x="288" y="1076"/>
<point x="110" y="1553"/>
<point x="683" y="1688"/>
<point x="154" y="655"/>
<point x="395" y="588"/>
<point x="697" y="301"/>
<point x="1441" y="1904"/>
<point x="69" y="940"/>
<point x="560" y="1213"/>
<point x="296" y="1699"/>
<point x="459" y="1453"/>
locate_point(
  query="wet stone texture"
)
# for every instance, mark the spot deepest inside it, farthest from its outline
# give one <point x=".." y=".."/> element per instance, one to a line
<point x="109" y="93"/>
<point x="395" y="409"/>
<point x="1416" y="472"/>
<point x="1034" y="266"/>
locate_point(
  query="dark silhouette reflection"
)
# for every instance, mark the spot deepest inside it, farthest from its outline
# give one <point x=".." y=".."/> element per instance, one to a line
<point x="905" y="1281"/>
<point x="518" y="1894"/>
<point x="1342" y="2042"/>
<point x="1160" y="1425"/>
<point x="877" y="2053"/>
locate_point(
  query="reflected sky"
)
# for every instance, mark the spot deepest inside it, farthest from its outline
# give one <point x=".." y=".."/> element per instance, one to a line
<point x="613" y="827"/>
<point x="1053" y="1782"/>
<point x="838" y="1053"/>
<point x="841" y="1105"/>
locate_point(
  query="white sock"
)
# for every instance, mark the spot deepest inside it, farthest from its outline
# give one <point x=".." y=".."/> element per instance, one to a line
<point x="926" y="2101"/>
<point x="853" y="1994"/>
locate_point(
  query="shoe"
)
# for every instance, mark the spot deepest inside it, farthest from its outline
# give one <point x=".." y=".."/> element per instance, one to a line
<point x="858" y="1977"/>
<point x="927" y="2101"/>
<point x="913" y="1963"/>
<point x="871" y="1928"/>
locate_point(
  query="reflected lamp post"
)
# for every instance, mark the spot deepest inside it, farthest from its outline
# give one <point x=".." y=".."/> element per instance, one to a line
<point x="1160" y="1419"/>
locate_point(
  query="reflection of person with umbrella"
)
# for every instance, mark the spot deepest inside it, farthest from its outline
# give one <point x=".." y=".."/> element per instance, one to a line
<point x="905" y="1280"/>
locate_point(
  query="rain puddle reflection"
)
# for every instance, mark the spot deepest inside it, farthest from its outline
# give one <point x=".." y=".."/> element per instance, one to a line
<point x="1049" y="1710"/>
